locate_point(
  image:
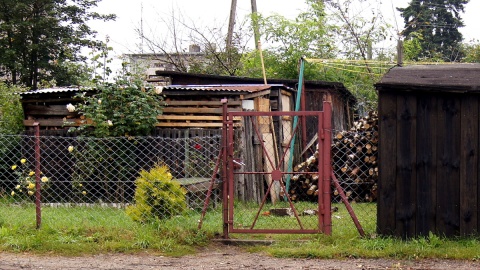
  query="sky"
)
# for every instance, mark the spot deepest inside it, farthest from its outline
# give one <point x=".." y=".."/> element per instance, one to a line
<point x="124" y="39"/>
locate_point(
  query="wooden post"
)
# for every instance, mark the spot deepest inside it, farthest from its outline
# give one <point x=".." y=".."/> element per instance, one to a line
<point x="231" y="24"/>
<point x="400" y="52"/>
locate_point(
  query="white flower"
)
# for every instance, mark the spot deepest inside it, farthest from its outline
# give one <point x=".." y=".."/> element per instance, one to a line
<point x="99" y="102"/>
<point x="110" y="123"/>
<point x="70" y="107"/>
<point x="158" y="90"/>
<point x="70" y="149"/>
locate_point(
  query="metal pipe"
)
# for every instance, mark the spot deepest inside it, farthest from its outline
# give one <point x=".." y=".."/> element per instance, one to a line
<point x="38" y="198"/>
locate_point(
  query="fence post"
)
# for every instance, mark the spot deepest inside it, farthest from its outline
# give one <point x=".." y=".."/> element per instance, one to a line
<point x="327" y="166"/>
<point x="38" y="194"/>
<point x="224" y="169"/>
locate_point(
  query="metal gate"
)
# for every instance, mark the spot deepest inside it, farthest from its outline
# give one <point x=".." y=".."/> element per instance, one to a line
<point x="267" y="186"/>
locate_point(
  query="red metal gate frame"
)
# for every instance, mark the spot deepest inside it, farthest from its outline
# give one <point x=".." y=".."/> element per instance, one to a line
<point x="324" y="172"/>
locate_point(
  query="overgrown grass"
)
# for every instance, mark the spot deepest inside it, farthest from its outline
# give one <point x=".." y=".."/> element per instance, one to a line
<point x="91" y="230"/>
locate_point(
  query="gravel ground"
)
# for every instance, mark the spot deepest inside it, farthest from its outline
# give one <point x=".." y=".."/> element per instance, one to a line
<point x="216" y="256"/>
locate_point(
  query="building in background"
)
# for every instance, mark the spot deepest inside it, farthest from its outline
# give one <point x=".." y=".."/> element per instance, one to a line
<point x="149" y="63"/>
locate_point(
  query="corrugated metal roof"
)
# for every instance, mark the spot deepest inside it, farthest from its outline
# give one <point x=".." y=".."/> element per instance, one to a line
<point x="250" y="88"/>
<point x="55" y="90"/>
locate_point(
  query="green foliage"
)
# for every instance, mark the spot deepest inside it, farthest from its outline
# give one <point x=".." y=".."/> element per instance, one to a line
<point x="306" y="36"/>
<point x="123" y="108"/>
<point x="11" y="113"/>
<point x="437" y="21"/>
<point x="412" y="47"/>
<point x="39" y="37"/>
<point x="157" y="196"/>
<point x="472" y="52"/>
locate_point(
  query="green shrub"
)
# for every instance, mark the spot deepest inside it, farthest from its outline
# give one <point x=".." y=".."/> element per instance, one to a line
<point x="11" y="113"/>
<point x="157" y="196"/>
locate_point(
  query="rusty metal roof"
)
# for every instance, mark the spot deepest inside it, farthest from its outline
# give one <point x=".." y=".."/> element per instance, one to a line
<point x="250" y="88"/>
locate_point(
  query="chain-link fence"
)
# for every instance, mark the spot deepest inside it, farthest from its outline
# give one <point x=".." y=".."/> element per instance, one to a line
<point x="354" y="163"/>
<point x="105" y="174"/>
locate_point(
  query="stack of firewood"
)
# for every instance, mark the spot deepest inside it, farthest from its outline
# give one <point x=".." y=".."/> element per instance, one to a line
<point x="354" y="162"/>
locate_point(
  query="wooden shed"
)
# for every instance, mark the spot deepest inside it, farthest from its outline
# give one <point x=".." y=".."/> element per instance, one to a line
<point x="343" y="102"/>
<point x="429" y="150"/>
<point x="188" y="106"/>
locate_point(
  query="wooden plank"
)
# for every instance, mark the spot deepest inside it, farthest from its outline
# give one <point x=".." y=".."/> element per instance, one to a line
<point x="47" y="110"/>
<point x="202" y="103"/>
<point x="406" y="166"/>
<point x="469" y="165"/>
<point x="269" y="155"/>
<point x="53" y="122"/>
<point x="387" y="162"/>
<point x="194" y="117"/>
<point x="448" y="165"/>
<point x="198" y="110"/>
<point x="426" y="164"/>
<point x="256" y="94"/>
<point x="53" y="100"/>
<point x="285" y="131"/>
<point x="185" y="124"/>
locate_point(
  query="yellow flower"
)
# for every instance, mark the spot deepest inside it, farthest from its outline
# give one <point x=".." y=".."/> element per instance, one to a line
<point x="31" y="173"/>
<point x="13" y="193"/>
<point x="17" y="187"/>
<point x="31" y="186"/>
<point x="80" y="185"/>
<point x="44" y="179"/>
<point x="14" y="167"/>
<point x="70" y="149"/>
<point x="84" y="192"/>
<point x="23" y="160"/>
<point x="169" y="175"/>
<point x="30" y="193"/>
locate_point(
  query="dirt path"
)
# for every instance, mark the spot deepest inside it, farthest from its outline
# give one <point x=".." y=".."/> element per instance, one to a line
<point x="214" y="257"/>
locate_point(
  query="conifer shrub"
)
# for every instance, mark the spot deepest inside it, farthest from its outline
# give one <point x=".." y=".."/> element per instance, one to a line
<point x="157" y="196"/>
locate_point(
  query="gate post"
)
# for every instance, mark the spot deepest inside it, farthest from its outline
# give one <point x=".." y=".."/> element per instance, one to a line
<point x="224" y="168"/>
<point x="327" y="166"/>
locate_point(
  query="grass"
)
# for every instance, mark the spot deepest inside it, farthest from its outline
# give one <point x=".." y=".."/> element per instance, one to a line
<point x="79" y="230"/>
<point x="92" y="230"/>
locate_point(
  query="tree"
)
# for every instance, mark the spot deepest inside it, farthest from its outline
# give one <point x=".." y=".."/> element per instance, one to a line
<point x="214" y="56"/>
<point x="288" y="41"/>
<point x="437" y="23"/>
<point x="358" y="27"/>
<point x="11" y="113"/>
<point x="38" y="37"/>
<point x="472" y="52"/>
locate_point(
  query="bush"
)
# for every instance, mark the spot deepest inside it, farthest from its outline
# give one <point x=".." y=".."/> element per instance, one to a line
<point x="157" y="196"/>
<point x="11" y="113"/>
<point x="123" y="108"/>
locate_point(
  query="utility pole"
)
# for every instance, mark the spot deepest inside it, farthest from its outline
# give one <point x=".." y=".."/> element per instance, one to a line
<point x="141" y="27"/>
<point x="256" y="32"/>
<point x="231" y="23"/>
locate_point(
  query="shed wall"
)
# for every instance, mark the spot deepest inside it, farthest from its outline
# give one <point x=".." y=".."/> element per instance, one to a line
<point x="428" y="167"/>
